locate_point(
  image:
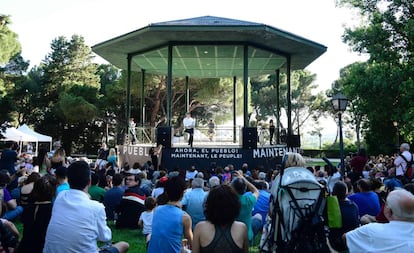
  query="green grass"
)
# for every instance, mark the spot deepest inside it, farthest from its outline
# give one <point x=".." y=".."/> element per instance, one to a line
<point x="134" y="237"/>
<point x="137" y="241"/>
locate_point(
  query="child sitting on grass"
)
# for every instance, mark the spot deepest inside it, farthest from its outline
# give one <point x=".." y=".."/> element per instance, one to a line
<point x="145" y="220"/>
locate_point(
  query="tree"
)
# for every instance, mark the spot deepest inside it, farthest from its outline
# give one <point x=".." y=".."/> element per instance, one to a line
<point x="208" y="96"/>
<point x="9" y="47"/>
<point x="70" y="85"/>
<point x="382" y="86"/>
<point x="111" y="102"/>
<point x="305" y="105"/>
<point x="15" y="73"/>
<point x="318" y="132"/>
<point x="9" y="44"/>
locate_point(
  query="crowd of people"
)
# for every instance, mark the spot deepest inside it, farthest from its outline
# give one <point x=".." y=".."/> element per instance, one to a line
<point x="65" y="205"/>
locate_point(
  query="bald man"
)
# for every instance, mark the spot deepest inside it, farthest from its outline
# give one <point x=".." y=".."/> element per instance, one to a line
<point x="395" y="236"/>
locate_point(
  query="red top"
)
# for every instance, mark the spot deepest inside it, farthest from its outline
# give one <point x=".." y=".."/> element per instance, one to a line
<point x="358" y="163"/>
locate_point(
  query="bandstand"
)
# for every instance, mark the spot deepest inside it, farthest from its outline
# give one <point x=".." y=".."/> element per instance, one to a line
<point x="209" y="47"/>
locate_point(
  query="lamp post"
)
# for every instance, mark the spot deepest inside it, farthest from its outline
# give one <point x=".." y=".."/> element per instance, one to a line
<point x="397" y="135"/>
<point x="339" y="103"/>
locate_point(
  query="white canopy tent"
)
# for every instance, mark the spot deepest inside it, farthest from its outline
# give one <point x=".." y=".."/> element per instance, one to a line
<point x="12" y="134"/>
<point x="39" y="137"/>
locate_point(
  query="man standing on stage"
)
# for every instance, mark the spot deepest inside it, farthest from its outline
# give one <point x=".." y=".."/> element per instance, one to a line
<point x="132" y="129"/>
<point x="271" y="131"/>
<point x="189" y="124"/>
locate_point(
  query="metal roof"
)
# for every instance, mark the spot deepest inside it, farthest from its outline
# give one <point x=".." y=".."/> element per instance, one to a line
<point x="209" y="47"/>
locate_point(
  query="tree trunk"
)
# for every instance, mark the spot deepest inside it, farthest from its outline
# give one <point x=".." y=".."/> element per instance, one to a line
<point x="157" y="102"/>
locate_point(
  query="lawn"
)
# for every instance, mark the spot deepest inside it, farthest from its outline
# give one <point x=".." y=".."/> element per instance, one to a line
<point x="137" y="242"/>
<point x="134" y="237"/>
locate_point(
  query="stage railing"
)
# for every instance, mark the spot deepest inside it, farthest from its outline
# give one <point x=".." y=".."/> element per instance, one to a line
<point x="141" y="135"/>
<point x="204" y="135"/>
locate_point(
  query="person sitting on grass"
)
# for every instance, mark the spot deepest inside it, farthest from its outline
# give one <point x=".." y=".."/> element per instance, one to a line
<point x="395" y="236"/>
<point x="12" y="210"/>
<point x="78" y="222"/>
<point x="97" y="193"/>
<point x="240" y="184"/>
<point x="221" y="233"/>
<point x="113" y="197"/>
<point x="145" y="220"/>
<point x="9" y="236"/>
<point x="132" y="203"/>
<point x="170" y="222"/>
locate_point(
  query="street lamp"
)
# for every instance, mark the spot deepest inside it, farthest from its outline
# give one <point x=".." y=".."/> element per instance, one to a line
<point x="339" y="103"/>
<point x="397" y="139"/>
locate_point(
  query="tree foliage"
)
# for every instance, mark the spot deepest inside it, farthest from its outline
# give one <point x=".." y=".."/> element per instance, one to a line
<point x="9" y="48"/>
<point x="9" y="44"/>
<point x="381" y="88"/>
<point x="305" y="105"/>
<point x="69" y="87"/>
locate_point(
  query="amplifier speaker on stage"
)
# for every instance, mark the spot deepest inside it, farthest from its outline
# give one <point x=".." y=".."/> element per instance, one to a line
<point x="164" y="136"/>
<point x="293" y="141"/>
<point x="249" y="137"/>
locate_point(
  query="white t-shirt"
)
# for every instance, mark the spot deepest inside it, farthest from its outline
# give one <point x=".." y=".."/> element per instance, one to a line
<point x="396" y="236"/>
<point x="146" y="218"/>
<point x="400" y="164"/>
<point x="189" y="123"/>
<point x="77" y="223"/>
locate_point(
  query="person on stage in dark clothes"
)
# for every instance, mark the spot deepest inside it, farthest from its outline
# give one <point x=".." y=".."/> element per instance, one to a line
<point x="271" y="131"/>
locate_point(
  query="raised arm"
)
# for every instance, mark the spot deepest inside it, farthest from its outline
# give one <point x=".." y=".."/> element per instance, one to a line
<point x="249" y="185"/>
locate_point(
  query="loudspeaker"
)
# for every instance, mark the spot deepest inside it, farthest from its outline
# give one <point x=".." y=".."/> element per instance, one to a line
<point x="249" y="136"/>
<point x="164" y="136"/>
<point x="293" y="141"/>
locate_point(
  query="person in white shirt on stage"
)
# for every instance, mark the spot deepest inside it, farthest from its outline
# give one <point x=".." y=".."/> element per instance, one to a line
<point x="189" y="124"/>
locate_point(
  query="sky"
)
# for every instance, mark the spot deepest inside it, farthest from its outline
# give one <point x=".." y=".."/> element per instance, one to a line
<point x="38" y="22"/>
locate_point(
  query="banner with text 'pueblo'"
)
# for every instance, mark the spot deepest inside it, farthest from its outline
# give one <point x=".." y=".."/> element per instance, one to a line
<point x="183" y="158"/>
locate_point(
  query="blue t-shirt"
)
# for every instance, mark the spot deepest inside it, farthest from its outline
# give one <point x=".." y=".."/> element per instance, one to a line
<point x="63" y="187"/>
<point x="111" y="200"/>
<point x="367" y="202"/>
<point x="194" y="204"/>
<point x="262" y="205"/>
<point x="167" y="230"/>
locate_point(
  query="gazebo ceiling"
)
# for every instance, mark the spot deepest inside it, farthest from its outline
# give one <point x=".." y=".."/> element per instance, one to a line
<point x="209" y="47"/>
